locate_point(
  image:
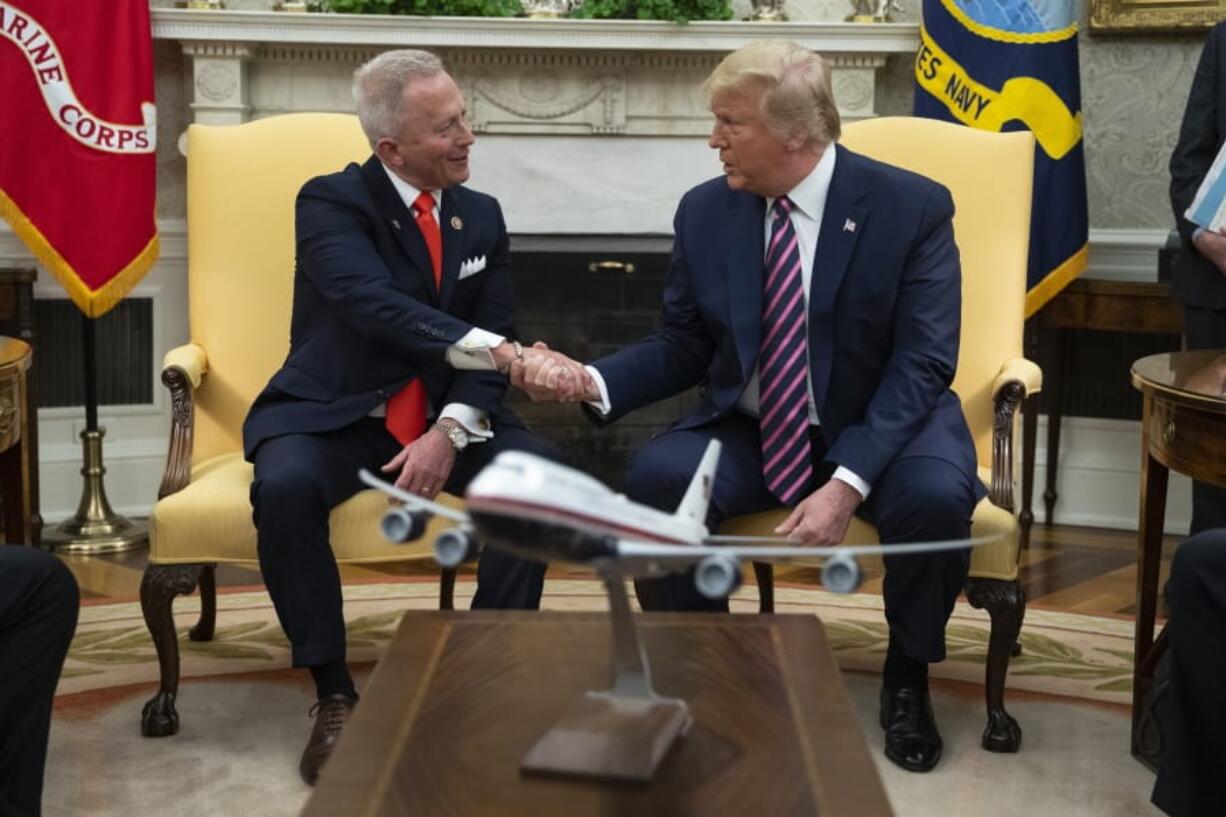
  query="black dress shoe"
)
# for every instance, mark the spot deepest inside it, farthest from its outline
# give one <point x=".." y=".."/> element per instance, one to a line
<point x="331" y="713"/>
<point x="911" y="737"/>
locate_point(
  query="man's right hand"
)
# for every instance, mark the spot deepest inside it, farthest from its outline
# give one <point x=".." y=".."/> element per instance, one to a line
<point x="549" y="376"/>
<point x="1213" y="246"/>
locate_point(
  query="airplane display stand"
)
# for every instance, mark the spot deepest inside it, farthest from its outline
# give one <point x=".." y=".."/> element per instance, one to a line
<point x="621" y="733"/>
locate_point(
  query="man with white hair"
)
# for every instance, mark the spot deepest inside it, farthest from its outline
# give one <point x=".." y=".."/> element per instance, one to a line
<point x="817" y="294"/>
<point x="402" y="312"/>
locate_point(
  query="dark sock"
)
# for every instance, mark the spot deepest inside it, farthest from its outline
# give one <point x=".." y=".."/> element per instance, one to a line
<point x="903" y="671"/>
<point x="333" y="678"/>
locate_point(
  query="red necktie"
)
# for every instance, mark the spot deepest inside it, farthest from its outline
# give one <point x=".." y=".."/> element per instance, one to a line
<point x="406" y="410"/>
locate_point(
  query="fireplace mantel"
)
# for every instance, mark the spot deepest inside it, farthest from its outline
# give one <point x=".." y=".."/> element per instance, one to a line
<point x="521" y="76"/>
<point x="515" y="32"/>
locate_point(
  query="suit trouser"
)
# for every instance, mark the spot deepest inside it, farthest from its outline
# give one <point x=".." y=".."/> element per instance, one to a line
<point x="1206" y="329"/>
<point x="1192" y="780"/>
<point x="300" y="478"/>
<point x="916" y="499"/>
<point x="38" y="613"/>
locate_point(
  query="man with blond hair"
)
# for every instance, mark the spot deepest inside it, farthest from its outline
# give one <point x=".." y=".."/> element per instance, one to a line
<point x="817" y="294"/>
<point x="402" y="311"/>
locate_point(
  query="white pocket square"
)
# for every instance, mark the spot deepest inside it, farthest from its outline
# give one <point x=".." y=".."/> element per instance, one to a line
<point x="472" y="266"/>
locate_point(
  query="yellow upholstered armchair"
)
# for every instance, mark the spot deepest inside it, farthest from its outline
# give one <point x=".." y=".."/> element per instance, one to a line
<point x="989" y="175"/>
<point x="241" y="185"/>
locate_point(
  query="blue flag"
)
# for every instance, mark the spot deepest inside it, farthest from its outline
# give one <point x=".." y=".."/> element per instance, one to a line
<point x="1005" y="65"/>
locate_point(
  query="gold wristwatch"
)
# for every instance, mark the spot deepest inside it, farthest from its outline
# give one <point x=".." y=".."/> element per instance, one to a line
<point x="454" y="433"/>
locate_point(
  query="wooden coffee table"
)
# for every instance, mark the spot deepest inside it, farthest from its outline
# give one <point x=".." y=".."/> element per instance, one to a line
<point x="459" y="697"/>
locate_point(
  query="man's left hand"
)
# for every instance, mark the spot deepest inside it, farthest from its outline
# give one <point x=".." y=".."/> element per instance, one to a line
<point x="424" y="464"/>
<point x="821" y="519"/>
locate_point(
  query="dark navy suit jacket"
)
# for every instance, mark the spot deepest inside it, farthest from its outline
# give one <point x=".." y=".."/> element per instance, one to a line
<point x="1197" y="282"/>
<point x="367" y="317"/>
<point x="884" y="317"/>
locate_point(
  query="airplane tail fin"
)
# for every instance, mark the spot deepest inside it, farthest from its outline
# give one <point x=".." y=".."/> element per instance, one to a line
<point x="698" y="495"/>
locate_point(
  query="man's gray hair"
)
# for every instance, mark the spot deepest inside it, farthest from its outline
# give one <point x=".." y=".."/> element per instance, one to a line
<point x="378" y="87"/>
<point x="797" y="97"/>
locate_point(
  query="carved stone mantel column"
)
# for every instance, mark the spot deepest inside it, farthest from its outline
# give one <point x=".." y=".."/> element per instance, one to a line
<point x="219" y="80"/>
<point x="520" y="76"/>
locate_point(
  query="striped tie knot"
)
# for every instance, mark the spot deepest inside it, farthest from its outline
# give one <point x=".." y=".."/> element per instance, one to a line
<point x="782" y="208"/>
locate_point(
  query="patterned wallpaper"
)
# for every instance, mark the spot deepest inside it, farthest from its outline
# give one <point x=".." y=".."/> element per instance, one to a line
<point x="1133" y="92"/>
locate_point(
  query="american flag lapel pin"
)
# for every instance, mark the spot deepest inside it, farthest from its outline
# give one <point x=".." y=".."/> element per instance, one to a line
<point x="849" y="226"/>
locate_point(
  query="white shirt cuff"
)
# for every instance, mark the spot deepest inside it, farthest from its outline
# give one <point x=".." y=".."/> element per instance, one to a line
<point x="847" y="475"/>
<point x="474" y="421"/>
<point x="602" y="405"/>
<point x="472" y="352"/>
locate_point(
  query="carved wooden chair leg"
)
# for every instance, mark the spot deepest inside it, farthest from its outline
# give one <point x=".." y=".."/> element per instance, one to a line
<point x="205" y="627"/>
<point x="446" y="589"/>
<point x="765" y="574"/>
<point x="1006" y="605"/>
<point x="158" y="588"/>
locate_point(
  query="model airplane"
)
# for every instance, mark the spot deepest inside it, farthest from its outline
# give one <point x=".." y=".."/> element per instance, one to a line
<point x="541" y="510"/>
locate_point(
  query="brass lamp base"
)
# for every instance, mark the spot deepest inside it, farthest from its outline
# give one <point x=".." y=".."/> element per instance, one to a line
<point x="95" y="528"/>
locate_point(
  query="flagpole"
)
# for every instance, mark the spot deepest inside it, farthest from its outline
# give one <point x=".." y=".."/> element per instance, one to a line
<point x="95" y="528"/>
<point x="91" y="373"/>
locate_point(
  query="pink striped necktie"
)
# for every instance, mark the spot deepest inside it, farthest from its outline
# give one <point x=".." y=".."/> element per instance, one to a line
<point x="783" y="365"/>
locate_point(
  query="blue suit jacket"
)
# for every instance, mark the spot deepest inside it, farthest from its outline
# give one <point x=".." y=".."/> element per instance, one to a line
<point x="367" y="317"/>
<point x="884" y="316"/>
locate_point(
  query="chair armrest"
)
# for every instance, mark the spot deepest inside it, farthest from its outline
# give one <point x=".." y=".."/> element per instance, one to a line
<point x="183" y="368"/>
<point x="191" y="359"/>
<point x="1022" y="370"/>
<point x="1018" y="379"/>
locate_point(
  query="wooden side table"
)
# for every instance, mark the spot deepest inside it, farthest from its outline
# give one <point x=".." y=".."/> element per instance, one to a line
<point x="1106" y="306"/>
<point x="460" y="697"/>
<point x="1183" y="428"/>
<point x="16" y="461"/>
<point x="17" y="321"/>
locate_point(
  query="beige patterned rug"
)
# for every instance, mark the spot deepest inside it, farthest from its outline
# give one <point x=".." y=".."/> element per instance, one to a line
<point x="1077" y="656"/>
<point x="244" y="716"/>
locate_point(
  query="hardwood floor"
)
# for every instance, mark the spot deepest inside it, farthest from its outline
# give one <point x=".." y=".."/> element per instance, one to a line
<point x="1084" y="570"/>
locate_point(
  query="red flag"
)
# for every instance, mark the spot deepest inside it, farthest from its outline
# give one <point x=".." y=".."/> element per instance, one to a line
<point x="77" y="138"/>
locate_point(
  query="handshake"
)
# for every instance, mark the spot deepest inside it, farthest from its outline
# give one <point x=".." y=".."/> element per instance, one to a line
<point x="548" y="376"/>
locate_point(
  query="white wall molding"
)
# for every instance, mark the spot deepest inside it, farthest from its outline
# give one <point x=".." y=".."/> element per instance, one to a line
<point x="1125" y="254"/>
<point x="1098" y="484"/>
<point x="172" y="242"/>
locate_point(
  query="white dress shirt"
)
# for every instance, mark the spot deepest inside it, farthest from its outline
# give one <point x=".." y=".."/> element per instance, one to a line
<point x="809" y="200"/>
<point x="471" y="351"/>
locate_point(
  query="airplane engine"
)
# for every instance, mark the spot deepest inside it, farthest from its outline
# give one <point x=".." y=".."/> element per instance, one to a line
<point x="841" y="573"/>
<point x="453" y="547"/>
<point x="718" y="576"/>
<point x="400" y="525"/>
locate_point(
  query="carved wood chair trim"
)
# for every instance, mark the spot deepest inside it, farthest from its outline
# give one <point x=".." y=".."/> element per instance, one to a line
<point x="182" y="425"/>
<point x="1007" y="401"/>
